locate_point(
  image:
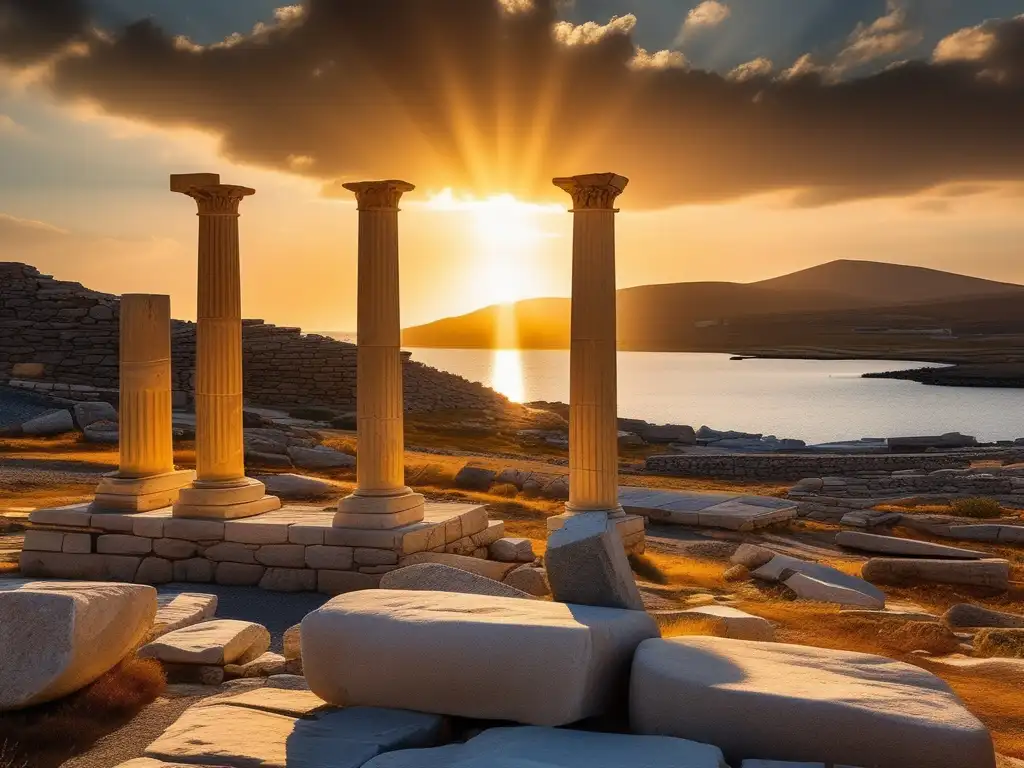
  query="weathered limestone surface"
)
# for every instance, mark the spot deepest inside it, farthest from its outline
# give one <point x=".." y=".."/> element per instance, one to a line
<point x="58" y="637"/>
<point x="240" y="737"/>
<point x="866" y="710"/>
<point x="429" y="651"/>
<point x="180" y="611"/>
<point x="511" y="550"/>
<point x="558" y="748"/>
<point x="529" y="579"/>
<point x="489" y="569"/>
<point x="586" y="564"/>
<point x="434" y="577"/>
<point x="221" y="641"/>
<point x="892" y="545"/>
<point x="991" y="572"/>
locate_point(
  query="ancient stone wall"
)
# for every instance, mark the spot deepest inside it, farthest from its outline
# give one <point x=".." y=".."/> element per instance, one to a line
<point x="60" y="337"/>
<point x="796" y="467"/>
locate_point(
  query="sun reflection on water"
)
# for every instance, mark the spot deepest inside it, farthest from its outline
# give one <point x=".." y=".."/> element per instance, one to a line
<point x="507" y="373"/>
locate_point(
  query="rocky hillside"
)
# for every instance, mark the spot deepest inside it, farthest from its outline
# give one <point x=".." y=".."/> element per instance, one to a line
<point x="64" y="337"/>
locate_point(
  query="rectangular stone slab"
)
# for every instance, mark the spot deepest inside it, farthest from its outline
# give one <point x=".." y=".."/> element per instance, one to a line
<point x="221" y="641"/>
<point x="992" y="572"/>
<point x="434" y="651"/>
<point x="534" y="747"/>
<point x="790" y="702"/>
<point x="241" y="737"/>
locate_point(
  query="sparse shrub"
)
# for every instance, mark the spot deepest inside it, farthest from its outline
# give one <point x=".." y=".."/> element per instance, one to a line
<point x="976" y="507"/>
<point x="46" y="735"/>
<point x="1000" y="642"/>
<point x="507" y="490"/>
<point x="647" y="569"/>
<point x="928" y="636"/>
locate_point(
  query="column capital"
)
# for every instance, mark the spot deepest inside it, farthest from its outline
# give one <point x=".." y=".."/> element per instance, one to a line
<point x="217" y="199"/>
<point x="593" y="191"/>
<point x="379" y="195"/>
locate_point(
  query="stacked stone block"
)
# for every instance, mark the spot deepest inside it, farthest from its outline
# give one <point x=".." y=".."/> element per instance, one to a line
<point x="295" y="549"/>
<point x="745" y="466"/>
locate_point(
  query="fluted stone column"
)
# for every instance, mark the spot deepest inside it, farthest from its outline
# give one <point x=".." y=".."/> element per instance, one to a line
<point x="146" y="478"/>
<point x="221" y="490"/>
<point x="593" y="426"/>
<point x="381" y="499"/>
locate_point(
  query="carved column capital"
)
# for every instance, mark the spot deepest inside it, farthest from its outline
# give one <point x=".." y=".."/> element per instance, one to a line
<point x="218" y="199"/>
<point x="379" y="195"/>
<point x="593" y="191"/>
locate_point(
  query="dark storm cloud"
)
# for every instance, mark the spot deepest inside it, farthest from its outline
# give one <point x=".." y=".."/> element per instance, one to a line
<point x="463" y="93"/>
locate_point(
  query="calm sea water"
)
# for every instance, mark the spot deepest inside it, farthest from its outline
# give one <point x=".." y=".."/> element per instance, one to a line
<point x="812" y="400"/>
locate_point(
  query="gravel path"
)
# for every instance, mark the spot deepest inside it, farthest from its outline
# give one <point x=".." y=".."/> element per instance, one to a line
<point x="16" y="407"/>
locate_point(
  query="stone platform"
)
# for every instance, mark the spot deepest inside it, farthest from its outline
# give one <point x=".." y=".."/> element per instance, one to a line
<point x="292" y="549"/>
<point x="706" y="510"/>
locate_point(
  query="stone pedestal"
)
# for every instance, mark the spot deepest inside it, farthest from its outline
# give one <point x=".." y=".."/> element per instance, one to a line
<point x="221" y="490"/>
<point x="381" y="499"/>
<point x="593" y="427"/>
<point x="146" y="478"/>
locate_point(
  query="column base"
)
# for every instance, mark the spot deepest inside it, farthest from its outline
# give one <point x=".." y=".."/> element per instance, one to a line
<point x="371" y="512"/>
<point x="612" y="512"/>
<point x="140" y="494"/>
<point x="229" y="500"/>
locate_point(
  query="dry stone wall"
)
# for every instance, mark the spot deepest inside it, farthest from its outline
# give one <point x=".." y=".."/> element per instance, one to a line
<point x="745" y="466"/>
<point x="58" y="336"/>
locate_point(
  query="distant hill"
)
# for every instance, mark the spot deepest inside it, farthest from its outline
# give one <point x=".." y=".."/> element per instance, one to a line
<point x="833" y="297"/>
<point x="887" y="283"/>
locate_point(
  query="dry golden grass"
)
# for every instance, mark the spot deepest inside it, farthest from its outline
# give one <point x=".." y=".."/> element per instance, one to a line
<point x="47" y="735"/>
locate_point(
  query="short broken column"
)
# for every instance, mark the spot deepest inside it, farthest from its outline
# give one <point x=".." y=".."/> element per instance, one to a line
<point x="381" y="499"/>
<point x="593" y="425"/>
<point x="221" y="489"/>
<point x="146" y="478"/>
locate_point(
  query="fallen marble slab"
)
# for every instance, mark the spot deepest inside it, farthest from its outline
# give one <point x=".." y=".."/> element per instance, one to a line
<point x="809" y="588"/>
<point x="281" y="701"/>
<point x="223" y="734"/>
<point x="993" y="572"/>
<point x="57" y="637"/>
<point x="893" y="545"/>
<point x="434" y="577"/>
<point x="182" y="610"/>
<point x="431" y="652"/>
<point x="533" y="747"/>
<point x="782" y="566"/>
<point x="866" y="710"/>
<point x="217" y="642"/>
<point x="965" y="615"/>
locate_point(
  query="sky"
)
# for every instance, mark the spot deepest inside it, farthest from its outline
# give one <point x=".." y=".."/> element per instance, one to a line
<point x="760" y="137"/>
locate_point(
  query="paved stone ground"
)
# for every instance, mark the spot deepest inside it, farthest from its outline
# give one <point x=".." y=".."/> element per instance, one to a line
<point x="706" y="510"/>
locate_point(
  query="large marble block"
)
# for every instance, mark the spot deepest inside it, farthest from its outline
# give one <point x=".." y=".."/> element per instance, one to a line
<point x="58" y="637"/>
<point x="791" y="702"/>
<point x="441" y="652"/>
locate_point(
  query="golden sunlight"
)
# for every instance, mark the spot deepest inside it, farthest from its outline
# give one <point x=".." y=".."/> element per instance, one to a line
<point x="507" y="373"/>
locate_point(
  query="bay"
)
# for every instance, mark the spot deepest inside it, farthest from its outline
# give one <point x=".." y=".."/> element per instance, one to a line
<point x="813" y="400"/>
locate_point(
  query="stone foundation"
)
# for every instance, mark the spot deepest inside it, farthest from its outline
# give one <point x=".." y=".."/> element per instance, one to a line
<point x="293" y="549"/>
<point x="747" y="466"/>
